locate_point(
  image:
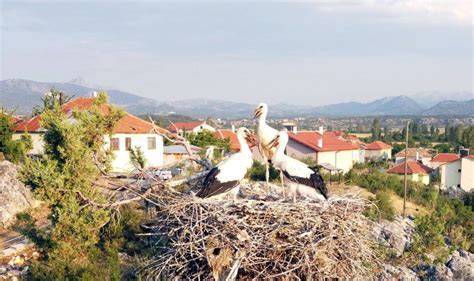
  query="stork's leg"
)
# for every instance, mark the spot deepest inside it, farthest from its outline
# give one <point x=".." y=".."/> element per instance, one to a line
<point x="267" y="172"/>
<point x="281" y="180"/>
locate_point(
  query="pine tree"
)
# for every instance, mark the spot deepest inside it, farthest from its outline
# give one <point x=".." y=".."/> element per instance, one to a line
<point x="64" y="179"/>
<point x="376" y="130"/>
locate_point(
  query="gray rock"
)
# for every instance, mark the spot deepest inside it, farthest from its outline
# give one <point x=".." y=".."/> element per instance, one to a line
<point x="461" y="265"/>
<point x="396" y="234"/>
<point x="435" y="272"/>
<point x="3" y="269"/>
<point x="15" y="197"/>
<point x="390" y="272"/>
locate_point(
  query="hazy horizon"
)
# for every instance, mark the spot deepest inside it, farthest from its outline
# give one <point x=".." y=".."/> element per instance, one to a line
<point x="295" y="53"/>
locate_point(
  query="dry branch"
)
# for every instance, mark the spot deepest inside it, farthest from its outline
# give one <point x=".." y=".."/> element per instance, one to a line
<point x="263" y="237"/>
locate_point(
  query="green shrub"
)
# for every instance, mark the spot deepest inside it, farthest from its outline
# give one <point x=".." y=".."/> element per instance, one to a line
<point x="383" y="208"/>
<point x="257" y="172"/>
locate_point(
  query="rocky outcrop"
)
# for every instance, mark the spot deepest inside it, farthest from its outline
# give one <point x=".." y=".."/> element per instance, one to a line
<point x="461" y="264"/>
<point x="396" y="234"/>
<point x="15" y="197"/>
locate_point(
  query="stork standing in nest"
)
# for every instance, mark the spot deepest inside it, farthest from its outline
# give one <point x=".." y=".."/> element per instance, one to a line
<point x="226" y="176"/>
<point x="299" y="177"/>
<point x="265" y="134"/>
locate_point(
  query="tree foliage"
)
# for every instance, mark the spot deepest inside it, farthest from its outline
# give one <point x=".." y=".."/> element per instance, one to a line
<point x="12" y="150"/>
<point x="64" y="179"/>
<point x="50" y="101"/>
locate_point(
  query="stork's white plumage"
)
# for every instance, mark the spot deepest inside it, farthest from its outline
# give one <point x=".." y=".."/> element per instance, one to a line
<point x="265" y="134"/>
<point x="299" y="177"/>
<point x="226" y="176"/>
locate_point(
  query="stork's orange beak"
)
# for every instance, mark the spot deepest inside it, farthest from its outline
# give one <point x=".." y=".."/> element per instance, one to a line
<point x="257" y="113"/>
<point x="275" y="142"/>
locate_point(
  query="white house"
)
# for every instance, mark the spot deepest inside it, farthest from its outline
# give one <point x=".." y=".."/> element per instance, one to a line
<point x="378" y="151"/>
<point x="414" y="154"/>
<point x="416" y="171"/>
<point x="442" y="158"/>
<point x="458" y="173"/>
<point x="324" y="148"/>
<point x="194" y="127"/>
<point x="129" y="132"/>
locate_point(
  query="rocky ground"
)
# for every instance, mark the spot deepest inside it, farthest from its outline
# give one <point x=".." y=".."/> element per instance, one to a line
<point x="396" y="236"/>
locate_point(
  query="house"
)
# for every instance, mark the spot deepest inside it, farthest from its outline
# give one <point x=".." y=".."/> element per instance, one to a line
<point x="190" y="127"/>
<point x="414" y="154"/>
<point x="129" y="132"/>
<point x="458" y="173"/>
<point x="442" y="158"/>
<point x="378" y="151"/>
<point x="416" y="171"/>
<point x="173" y="154"/>
<point x="324" y="148"/>
<point x="234" y="142"/>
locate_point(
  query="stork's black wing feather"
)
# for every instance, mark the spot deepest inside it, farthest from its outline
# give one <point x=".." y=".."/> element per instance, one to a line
<point x="212" y="186"/>
<point x="315" y="180"/>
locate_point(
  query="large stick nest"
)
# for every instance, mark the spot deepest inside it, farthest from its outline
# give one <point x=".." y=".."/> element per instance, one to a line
<point x="262" y="237"/>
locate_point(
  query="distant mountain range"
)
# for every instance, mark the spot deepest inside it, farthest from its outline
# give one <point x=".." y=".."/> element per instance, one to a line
<point x="22" y="95"/>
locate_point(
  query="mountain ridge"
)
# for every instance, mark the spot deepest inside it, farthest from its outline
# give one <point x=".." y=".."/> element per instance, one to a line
<point x="23" y="94"/>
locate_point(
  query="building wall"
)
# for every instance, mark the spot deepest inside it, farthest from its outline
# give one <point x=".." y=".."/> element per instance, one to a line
<point x="121" y="163"/>
<point x="299" y="151"/>
<point x="379" y="155"/>
<point x="424" y="160"/>
<point x="467" y="174"/>
<point x="37" y="140"/>
<point x="203" y="127"/>
<point x="450" y="175"/>
<point x="425" y="179"/>
<point x="344" y="159"/>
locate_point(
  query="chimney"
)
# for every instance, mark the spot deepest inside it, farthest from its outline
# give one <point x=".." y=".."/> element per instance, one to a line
<point x="320" y="142"/>
<point x="94" y="94"/>
<point x="417" y="157"/>
<point x="295" y="130"/>
<point x="321" y="130"/>
<point x="463" y="152"/>
<point x="233" y="128"/>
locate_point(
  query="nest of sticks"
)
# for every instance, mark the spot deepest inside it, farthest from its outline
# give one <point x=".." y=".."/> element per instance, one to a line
<point x="261" y="236"/>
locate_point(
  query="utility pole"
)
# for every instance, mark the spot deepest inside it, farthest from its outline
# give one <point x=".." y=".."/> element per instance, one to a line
<point x="406" y="168"/>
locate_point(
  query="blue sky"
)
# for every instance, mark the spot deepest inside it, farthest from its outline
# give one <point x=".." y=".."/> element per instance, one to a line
<point x="315" y="53"/>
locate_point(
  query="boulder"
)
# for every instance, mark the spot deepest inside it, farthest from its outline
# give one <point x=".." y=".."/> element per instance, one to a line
<point x="462" y="265"/>
<point x="15" y="197"/>
<point x="395" y="234"/>
<point x="390" y="272"/>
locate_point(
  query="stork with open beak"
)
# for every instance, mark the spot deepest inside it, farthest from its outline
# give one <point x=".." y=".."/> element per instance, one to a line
<point x="299" y="177"/>
<point x="226" y="176"/>
<point x="265" y="134"/>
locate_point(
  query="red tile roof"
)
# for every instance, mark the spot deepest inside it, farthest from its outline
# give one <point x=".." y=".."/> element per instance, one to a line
<point x="187" y="126"/>
<point x="331" y="142"/>
<point x="377" y="145"/>
<point x="445" y="157"/>
<point x="234" y="142"/>
<point x="129" y="124"/>
<point x="12" y="119"/>
<point x="470" y="156"/>
<point x="413" y="167"/>
<point x="422" y="152"/>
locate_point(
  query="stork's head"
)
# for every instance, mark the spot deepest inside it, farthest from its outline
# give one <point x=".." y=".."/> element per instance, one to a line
<point x="246" y="134"/>
<point x="261" y="109"/>
<point x="279" y="141"/>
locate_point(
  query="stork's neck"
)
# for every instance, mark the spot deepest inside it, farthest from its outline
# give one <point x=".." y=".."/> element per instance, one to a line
<point x="244" y="147"/>
<point x="262" y="119"/>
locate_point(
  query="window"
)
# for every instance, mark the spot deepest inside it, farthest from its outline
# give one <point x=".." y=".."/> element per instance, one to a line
<point x="115" y="143"/>
<point x="151" y="143"/>
<point x="128" y="144"/>
<point x="459" y="170"/>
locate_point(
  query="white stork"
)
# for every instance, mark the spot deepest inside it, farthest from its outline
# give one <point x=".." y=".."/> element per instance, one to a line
<point x="226" y="176"/>
<point x="299" y="177"/>
<point x="265" y="134"/>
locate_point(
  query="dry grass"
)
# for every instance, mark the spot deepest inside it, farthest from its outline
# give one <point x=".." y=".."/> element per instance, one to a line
<point x="262" y="237"/>
<point x="397" y="201"/>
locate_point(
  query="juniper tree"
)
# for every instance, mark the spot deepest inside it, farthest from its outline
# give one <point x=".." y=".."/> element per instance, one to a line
<point x="64" y="179"/>
<point x="12" y="150"/>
